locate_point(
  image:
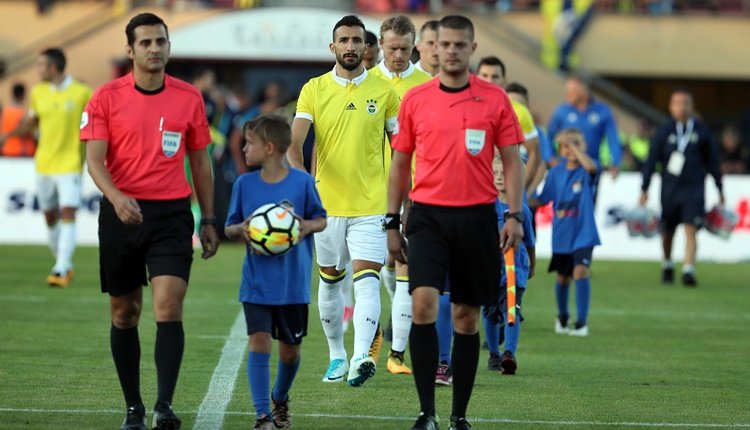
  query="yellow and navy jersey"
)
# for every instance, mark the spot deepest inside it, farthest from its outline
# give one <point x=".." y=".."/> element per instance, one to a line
<point x="525" y="119"/>
<point x="527" y="125"/>
<point x="350" y="119"/>
<point x="58" y="109"/>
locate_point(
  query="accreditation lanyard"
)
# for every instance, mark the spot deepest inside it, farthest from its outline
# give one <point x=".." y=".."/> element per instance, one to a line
<point x="683" y="135"/>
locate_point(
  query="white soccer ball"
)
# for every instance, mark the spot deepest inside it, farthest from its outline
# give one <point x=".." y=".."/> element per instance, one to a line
<point x="273" y="229"/>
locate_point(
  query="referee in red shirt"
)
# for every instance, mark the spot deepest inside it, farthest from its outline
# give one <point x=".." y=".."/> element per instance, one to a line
<point x="138" y="130"/>
<point x="453" y="125"/>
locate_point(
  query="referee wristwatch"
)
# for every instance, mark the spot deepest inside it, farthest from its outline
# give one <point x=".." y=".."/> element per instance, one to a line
<point x="518" y="216"/>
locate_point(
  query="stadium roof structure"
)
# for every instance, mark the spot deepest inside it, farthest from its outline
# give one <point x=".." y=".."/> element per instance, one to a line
<point x="277" y="33"/>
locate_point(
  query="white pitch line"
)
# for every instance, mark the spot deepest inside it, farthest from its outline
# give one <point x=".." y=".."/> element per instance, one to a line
<point x="213" y="408"/>
<point x="392" y="418"/>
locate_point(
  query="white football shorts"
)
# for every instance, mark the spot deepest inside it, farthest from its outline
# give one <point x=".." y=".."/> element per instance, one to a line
<point x="351" y="238"/>
<point x="58" y="191"/>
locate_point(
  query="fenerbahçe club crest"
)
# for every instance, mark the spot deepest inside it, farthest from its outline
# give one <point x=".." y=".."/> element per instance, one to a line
<point x="372" y="107"/>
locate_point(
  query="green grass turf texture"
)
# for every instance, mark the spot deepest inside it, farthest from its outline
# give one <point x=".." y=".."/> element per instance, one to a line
<point x="656" y="356"/>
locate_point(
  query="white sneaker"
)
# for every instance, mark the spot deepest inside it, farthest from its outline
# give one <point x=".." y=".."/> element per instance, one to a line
<point x="559" y="328"/>
<point x="336" y="370"/>
<point x="360" y="370"/>
<point x="580" y="332"/>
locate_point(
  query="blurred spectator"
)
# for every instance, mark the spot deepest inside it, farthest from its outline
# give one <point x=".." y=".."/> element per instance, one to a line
<point x="593" y="118"/>
<point x="745" y="127"/>
<point x="10" y="118"/>
<point x="733" y="156"/>
<point x="635" y="146"/>
<point x="372" y="55"/>
<point x="205" y="81"/>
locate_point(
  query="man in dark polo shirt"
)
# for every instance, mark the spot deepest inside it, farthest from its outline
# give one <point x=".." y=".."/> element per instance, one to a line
<point x="686" y="152"/>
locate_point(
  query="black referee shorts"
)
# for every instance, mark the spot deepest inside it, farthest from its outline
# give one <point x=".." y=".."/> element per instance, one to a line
<point x="161" y="245"/>
<point x="459" y="242"/>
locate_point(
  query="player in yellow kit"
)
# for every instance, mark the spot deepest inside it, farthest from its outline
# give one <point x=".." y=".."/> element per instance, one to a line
<point x="57" y="105"/>
<point x="352" y="112"/>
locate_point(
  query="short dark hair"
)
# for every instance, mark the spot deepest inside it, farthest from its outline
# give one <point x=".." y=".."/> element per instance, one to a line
<point x="143" y="19"/>
<point x="271" y="128"/>
<point x="371" y="39"/>
<point x="515" y="87"/>
<point x="18" y="91"/>
<point x="492" y="61"/>
<point x="458" y="22"/>
<point x="56" y="57"/>
<point x="348" y="21"/>
<point x="429" y="25"/>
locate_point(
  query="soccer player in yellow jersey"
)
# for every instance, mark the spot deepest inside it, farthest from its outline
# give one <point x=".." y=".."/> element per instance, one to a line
<point x="370" y="59"/>
<point x="428" y="58"/>
<point x="352" y="113"/>
<point x="491" y="69"/>
<point x="57" y="104"/>
<point x="397" y="36"/>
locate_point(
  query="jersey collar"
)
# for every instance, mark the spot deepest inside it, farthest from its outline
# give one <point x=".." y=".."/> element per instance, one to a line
<point x="390" y="75"/>
<point x="344" y="82"/>
<point x="67" y="80"/>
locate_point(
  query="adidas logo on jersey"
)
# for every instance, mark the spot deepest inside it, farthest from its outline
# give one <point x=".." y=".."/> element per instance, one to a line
<point x="351" y="107"/>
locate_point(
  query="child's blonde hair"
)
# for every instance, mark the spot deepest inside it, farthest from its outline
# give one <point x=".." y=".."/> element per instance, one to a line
<point x="271" y="128"/>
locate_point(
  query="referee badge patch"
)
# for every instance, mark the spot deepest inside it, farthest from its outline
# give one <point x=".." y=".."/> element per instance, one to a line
<point x="474" y="141"/>
<point x="170" y="142"/>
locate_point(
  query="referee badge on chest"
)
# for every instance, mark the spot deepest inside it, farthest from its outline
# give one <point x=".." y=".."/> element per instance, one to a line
<point x="474" y="141"/>
<point x="170" y="142"/>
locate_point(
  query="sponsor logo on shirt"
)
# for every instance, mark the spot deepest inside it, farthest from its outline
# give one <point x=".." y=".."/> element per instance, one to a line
<point x="351" y="107"/>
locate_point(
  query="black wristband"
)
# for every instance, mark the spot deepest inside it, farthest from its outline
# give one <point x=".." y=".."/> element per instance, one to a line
<point x="208" y="221"/>
<point x="392" y="221"/>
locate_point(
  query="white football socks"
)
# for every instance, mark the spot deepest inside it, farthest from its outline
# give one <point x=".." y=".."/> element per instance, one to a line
<point x="331" y="308"/>
<point x="401" y="314"/>
<point x="388" y="275"/>
<point x="65" y="247"/>
<point x="346" y="287"/>
<point x="366" y="310"/>
<point x="53" y="238"/>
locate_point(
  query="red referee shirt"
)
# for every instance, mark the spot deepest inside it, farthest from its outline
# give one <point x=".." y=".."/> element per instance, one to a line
<point x="147" y="135"/>
<point x="454" y="135"/>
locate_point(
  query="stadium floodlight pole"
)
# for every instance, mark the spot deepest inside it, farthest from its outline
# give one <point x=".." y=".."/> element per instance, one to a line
<point x="510" y="288"/>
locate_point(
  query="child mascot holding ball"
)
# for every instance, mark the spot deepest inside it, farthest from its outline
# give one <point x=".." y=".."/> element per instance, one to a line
<point x="275" y="288"/>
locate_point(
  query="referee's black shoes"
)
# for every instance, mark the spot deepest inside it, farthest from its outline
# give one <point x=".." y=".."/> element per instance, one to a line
<point x="164" y="417"/>
<point x="135" y="418"/>
<point x="426" y="422"/>
<point x="459" y="424"/>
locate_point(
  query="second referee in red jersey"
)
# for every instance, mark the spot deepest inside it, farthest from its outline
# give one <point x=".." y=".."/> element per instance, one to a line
<point x="453" y="125"/>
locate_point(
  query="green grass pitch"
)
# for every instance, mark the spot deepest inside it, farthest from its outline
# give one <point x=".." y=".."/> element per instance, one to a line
<point x="657" y="356"/>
